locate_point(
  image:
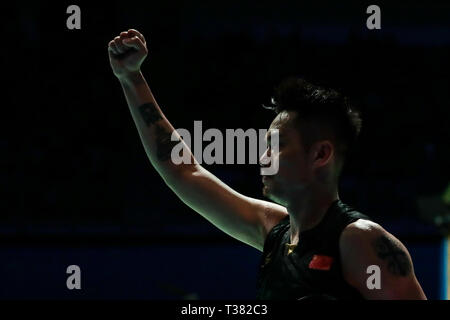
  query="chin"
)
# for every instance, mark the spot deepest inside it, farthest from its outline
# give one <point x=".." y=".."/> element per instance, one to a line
<point x="265" y="191"/>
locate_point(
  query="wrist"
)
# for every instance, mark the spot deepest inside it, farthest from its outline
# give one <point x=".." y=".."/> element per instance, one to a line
<point x="131" y="78"/>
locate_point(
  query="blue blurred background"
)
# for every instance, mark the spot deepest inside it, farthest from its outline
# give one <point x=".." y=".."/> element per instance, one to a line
<point x="78" y="188"/>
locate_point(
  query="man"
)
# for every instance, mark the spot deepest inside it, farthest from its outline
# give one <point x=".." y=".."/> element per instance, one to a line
<point x="314" y="246"/>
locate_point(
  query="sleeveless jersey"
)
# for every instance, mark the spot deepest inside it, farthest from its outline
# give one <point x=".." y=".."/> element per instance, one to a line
<point x="311" y="270"/>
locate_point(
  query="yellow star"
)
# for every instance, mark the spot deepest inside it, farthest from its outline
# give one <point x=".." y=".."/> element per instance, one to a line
<point x="290" y="248"/>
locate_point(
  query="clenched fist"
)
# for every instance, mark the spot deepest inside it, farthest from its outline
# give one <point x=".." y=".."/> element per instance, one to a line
<point x="127" y="52"/>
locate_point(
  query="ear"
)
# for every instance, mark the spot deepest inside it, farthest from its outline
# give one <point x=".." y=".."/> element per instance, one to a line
<point x="323" y="152"/>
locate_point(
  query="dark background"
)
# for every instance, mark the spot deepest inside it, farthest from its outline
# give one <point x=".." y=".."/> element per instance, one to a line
<point x="78" y="188"/>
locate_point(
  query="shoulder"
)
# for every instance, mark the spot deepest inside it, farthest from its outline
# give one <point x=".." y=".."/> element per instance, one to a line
<point x="365" y="239"/>
<point x="361" y="245"/>
<point x="361" y="229"/>
<point x="365" y="245"/>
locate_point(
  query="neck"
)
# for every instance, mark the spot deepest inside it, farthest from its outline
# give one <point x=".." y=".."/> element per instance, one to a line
<point x="307" y="210"/>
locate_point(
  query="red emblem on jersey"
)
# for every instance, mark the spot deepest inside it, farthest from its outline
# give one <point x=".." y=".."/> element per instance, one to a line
<point x="320" y="262"/>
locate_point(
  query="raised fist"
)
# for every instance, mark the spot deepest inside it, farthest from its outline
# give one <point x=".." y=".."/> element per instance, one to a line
<point x="127" y="52"/>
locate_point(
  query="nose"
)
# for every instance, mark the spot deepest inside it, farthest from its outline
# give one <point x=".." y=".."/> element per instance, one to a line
<point x="264" y="160"/>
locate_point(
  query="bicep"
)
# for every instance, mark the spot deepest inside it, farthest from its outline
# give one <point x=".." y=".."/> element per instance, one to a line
<point x="377" y="264"/>
<point x="241" y="217"/>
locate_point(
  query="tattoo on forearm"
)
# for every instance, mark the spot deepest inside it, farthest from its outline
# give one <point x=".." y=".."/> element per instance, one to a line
<point x="393" y="254"/>
<point x="164" y="144"/>
<point x="150" y="113"/>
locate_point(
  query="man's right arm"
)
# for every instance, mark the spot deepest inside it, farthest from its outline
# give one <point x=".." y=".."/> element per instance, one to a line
<point x="246" y="219"/>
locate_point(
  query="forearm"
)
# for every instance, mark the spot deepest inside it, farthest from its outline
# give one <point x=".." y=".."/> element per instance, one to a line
<point x="153" y="127"/>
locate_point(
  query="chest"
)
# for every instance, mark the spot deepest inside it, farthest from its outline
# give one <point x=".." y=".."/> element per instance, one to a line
<point x="312" y="266"/>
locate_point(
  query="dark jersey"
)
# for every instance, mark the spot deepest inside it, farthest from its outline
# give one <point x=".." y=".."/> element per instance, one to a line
<point x="313" y="267"/>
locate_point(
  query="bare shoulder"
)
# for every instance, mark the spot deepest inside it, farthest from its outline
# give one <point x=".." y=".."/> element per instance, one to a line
<point x="361" y="229"/>
<point x="367" y="233"/>
<point x="356" y="238"/>
<point x="365" y="237"/>
<point x="364" y="244"/>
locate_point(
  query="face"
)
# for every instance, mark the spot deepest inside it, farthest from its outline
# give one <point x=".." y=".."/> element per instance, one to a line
<point x="295" y="171"/>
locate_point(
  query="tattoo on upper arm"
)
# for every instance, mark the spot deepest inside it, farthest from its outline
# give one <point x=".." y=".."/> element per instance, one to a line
<point x="396" y="258"/>
<point x="150" y="113"/>
<point x="164" y="143"/>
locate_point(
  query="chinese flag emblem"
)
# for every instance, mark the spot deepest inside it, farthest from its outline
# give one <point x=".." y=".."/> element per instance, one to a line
<point x="320" y="262"/>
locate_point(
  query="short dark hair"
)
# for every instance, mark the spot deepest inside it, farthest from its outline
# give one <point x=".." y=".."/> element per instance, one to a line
<point x="322" y="113"/>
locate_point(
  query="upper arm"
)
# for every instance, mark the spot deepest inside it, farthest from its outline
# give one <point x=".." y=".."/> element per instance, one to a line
<point x="363" y="244"/>
<point x="244" y="218"/>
